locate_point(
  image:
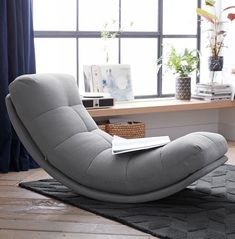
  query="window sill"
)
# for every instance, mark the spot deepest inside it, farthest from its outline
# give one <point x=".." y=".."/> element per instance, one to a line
<point x="158" y="105"/>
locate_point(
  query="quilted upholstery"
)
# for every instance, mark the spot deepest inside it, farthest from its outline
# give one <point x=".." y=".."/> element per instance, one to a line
<point x="51" y="111"/>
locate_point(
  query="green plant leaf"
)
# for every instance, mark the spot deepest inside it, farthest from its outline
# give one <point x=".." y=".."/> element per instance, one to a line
<point x="208" y="16"/>
<point x="210" y="3"/>
<point x="183" y="63"/>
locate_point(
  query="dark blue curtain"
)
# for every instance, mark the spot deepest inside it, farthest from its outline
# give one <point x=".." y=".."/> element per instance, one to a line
<point x="17" y="57"/>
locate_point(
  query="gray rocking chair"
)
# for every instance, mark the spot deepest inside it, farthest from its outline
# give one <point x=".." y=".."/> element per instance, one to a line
<point x="49" y="118"/>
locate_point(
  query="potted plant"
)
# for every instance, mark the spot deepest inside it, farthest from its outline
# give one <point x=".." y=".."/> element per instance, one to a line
<point x="183" y="65"/>
<point x="216" y="31"/>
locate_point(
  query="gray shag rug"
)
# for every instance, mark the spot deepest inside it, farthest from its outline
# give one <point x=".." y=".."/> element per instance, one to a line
<point x="205" y="209"/>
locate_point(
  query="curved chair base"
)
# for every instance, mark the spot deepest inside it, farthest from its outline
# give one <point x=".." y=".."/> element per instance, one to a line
<point x="104" y="196"/>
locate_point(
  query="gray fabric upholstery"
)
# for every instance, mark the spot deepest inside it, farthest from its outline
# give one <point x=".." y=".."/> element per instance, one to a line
<point x="56" y="129"/>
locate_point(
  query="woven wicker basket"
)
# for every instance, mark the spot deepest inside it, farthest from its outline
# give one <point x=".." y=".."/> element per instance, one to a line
<point x="102" y="127"/>
<point x="129" y="130"/>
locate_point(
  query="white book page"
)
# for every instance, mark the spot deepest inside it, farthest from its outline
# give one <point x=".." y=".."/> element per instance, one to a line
<point x="120" y="145"/>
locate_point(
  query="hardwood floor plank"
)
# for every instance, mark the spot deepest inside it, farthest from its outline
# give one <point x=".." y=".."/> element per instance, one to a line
<point x="13" y="234"/>
<point x="56" y="217"/>
<point x="29" y="202"/>
<point x="18" y="175"/>
<point x="8" y="183"/>
<point x="15" y="193"/>
<point x="91" y="228"/>
<point x="37" y="175"/>
<point x="40" y="206"/>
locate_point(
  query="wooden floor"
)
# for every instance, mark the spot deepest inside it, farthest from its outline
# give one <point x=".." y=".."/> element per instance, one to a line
<point x="28" y="215"/>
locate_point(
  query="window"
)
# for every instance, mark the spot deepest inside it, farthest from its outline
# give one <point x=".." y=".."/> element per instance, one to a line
<point x="68" y="36"/>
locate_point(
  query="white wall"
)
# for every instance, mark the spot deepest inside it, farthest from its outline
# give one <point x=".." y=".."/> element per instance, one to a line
<point x="227" y="123"/>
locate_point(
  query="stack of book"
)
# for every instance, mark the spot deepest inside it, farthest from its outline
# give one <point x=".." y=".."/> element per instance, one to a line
<point x="213" y="92"/>
<point x="121" y="145"/>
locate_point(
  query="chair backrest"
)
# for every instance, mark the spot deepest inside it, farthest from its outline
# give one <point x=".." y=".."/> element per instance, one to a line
<point x="50" y="108"/>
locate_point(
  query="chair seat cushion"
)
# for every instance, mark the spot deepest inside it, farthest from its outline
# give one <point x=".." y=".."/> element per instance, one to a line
<point x="138" y="172"/>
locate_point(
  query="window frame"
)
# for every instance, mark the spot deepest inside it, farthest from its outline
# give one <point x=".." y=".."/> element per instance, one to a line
<point x="77" y="34"/>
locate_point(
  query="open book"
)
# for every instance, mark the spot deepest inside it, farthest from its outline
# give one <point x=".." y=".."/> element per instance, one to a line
<point x="121" y="145"/>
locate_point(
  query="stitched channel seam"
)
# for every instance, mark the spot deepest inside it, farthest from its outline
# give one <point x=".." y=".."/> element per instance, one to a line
<point x="41" y="114"/>
<point x="94" y="159"/>
<point x="72" y="107"/>
<point x="209" y="139"/>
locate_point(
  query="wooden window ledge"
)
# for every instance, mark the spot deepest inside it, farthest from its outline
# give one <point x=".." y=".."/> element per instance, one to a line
<point x="158" y="105"/>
